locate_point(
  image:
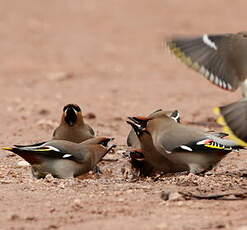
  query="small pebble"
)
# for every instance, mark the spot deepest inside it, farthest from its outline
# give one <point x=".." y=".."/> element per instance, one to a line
<point x="22" y="163"/>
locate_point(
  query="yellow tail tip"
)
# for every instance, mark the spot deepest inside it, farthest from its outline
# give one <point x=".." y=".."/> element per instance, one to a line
<point x="221" y="121"/>
<point x="7" y="148"/>
<point x="226" y="129"/>
<point x="216" y="110"/>
<point x="233" y="137"/>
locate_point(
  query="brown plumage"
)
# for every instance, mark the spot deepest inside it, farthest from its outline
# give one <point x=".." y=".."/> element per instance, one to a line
<point x="152" y="156"/>
<point x="72" y="126"/>
<point x="132" y="139"/>
<point x="138" y="163"/>
<point x="188" y="148"/>
<point x="63" y="159"/>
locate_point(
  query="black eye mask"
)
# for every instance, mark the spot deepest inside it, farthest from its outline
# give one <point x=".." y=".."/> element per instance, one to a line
<point x="72" y="106"/>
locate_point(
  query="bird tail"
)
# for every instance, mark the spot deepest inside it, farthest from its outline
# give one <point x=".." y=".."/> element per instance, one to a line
<point x="7" y="148"/>
<point x="13" y="149"/>
<point x="24" y="152"/>
<point x="232" y="118"/>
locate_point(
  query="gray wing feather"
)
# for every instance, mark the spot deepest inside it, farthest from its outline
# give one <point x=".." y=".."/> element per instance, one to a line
<point x="210" y="62"/>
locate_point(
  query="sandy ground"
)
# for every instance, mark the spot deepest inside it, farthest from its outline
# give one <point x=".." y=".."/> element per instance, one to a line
<point x="108" y="57"/>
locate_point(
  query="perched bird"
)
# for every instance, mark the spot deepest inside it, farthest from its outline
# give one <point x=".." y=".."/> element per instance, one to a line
<point x="72" y="126"/>
<point x="221" y="58"/>
<point x="153" y="159"/>
<point x="132" y="139"/>
<point x="233" y="118"/>
<point x="185" y="146"/>
<point x="63" y="159"/>
<point x="147" y="166"/>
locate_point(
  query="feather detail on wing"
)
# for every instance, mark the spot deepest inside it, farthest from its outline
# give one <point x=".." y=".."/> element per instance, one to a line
<point x="204" y="55"/>
<point x="205" y="145"/>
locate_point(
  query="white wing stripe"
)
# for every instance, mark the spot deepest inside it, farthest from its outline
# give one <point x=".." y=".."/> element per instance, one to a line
<point x="229" y="86"/>
<point x="66" y="155"/>
<point x="215" y="79"/>
<point x="32" y="147"/>
<point x="224" y="84"/>
<point x="186" y="148"/>
<point x="201" y="142"/>
<point x="52" y="148"/>
<point x="176" y="117"/>
<point x="209" y="42"/>
<point x="211" y="78"/>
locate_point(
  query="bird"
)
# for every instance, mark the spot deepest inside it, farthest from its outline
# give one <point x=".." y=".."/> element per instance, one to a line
<point x="221" y="58"/>
<point x="72" y="126"/>
<point x="132" y="139"/>
<point x="139" y="165"/>
<point x="188" y="148"/>
<point x="63" y="159"/>
<point x="149" y="157"/>
<point x="143" y="165"/>
<point x="233" y="118"/>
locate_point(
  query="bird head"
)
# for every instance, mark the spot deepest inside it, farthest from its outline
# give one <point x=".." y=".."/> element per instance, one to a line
<point x="136" y="127"/>
<point x="143" y="121"/>
<point x="71" y="114"/>
<point x="139" y="121"/>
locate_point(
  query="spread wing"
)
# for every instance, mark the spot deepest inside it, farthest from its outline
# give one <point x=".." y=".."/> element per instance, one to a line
<point x="209" y="55"/>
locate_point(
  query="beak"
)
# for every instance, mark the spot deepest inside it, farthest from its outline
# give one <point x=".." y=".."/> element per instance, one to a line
<point x="137" y="128"/>
<point x="140" y="120"/>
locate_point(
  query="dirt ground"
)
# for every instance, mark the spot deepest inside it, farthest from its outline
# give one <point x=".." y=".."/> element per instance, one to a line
<point x="108" y="57"/>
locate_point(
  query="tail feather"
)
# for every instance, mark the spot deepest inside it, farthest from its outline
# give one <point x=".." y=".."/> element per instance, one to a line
<point x="233" y="118"/>
<point x="7" y="148"/>
<point x="204" y="55"/>
<point x="30" y="158"/>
